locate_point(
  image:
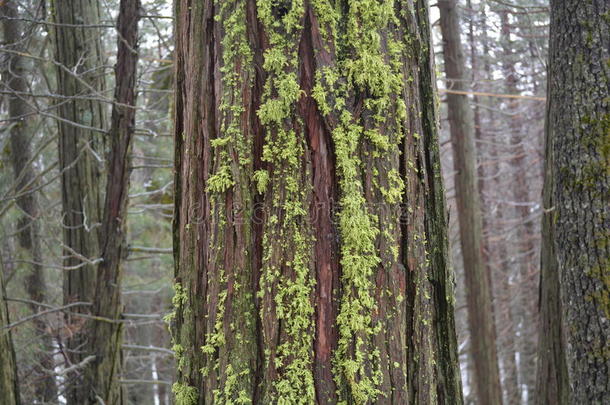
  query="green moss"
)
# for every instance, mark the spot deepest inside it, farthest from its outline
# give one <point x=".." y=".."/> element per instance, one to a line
<point x="230" y="394"/>
<point x="220" y="181"/>
<point x="369" y="64"/>
<point x="178" y="300"/>
<point x="393" y="194"/>
<point x="185" y="394"/>
<point x="261" y="177"/>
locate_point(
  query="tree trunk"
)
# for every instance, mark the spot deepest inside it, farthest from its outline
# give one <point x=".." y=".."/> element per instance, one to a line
<point x="9" y="387"/>
<point x="478" y="283"/>
<point x="301" y="131"/>
<point x="107" y="336"/>
<point x="28" y="226"/>
<point x="82" y="119"/>
<point x="578" y="135"/>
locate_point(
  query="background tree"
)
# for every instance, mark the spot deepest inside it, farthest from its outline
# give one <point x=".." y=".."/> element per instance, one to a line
<point x="82" y="121"/>
<point x="301" y="130"/>
<point x="9" y="387"/>
<point x="476" y="273"/>
<point x="107" y="335"/>
<point x="146" y="264"/>
<point x="510" y="237"/>
<point x="25" y="182"/>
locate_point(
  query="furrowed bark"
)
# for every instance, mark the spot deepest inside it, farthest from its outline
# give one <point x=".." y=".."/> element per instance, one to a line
<point x="294" y="155"/>
<point x="478" y="283"/>
<point x="79" y="50"/>
<point x="107" y="336"/>
<point x="28" y="225"/>
<point x="578" y="131"/>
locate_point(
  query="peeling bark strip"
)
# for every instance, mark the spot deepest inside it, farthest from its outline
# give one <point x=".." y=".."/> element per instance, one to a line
<point x="309" y="229"/>
<point x="578" y="139"/>
<point x="105" y="371"/>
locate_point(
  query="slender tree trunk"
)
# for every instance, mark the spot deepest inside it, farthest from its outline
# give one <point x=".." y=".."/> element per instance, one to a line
<point x="525" y="313"/>
<point x="81" y="76"/>
<point x="108" y="335"/>
<point x="301" y="131"/>
<point x="578" y="132"/>
<point x="478" y="284"/>
<point x="9" y="387"/>
<point x="488" y="180"/>
<point x="28" y="226"/>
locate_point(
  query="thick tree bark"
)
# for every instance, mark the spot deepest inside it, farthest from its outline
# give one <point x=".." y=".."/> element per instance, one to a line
<point x="478" y="283"/>
<point x="302" y="128"/>
<point x="9" y="387"/>
<point x="78" y="48"/>
<point x="107" y="336"/>
<point x="578" y="131"/>
<point x="28" y="226"/>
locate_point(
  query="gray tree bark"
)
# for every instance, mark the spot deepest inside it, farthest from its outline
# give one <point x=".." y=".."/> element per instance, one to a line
<point x="578" y="132"/>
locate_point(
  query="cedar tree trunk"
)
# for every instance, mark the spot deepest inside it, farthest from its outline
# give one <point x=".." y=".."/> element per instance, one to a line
<point x="310" y="229"/>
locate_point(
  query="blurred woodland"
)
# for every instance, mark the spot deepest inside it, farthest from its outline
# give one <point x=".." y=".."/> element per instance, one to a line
<point x="132" y="160"/>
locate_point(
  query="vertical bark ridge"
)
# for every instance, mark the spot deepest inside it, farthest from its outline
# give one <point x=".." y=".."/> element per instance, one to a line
<point x="287" y="280"/>
<point x="449" y="385"/>
<point x="552" y="385"/>
<point x="314" y="56"/>
<point x="195" y="127"/>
